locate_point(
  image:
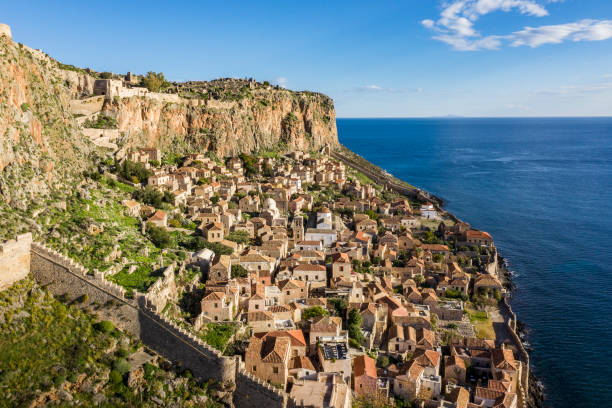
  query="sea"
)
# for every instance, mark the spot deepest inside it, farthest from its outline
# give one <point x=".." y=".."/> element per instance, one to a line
<point x="543" y="188"/>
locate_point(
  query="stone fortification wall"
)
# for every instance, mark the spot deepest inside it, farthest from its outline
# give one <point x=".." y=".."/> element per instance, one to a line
<point x="14" y="260"/>
<point x="253" y="392"/>
<point x="64" y="277"/>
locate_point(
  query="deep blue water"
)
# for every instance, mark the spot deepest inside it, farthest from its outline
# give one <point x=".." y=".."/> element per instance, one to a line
<point x="543" y="188"/>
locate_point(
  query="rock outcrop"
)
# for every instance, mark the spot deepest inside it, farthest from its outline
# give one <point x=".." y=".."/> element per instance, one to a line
<point x="44" y="105"/>
<point x="40" y="143"/>
<point x="267" y="119"/>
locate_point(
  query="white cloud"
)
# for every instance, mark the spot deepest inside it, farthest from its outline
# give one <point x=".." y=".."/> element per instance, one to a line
<point x="281" y="81"/>
<point x="455" y="26"/>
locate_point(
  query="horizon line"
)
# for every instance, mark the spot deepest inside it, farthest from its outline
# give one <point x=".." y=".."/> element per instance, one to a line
<point x="477" y="117"/>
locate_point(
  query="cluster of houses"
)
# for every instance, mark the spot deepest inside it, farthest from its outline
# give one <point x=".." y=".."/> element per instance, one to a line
<point x="315" y="260"/>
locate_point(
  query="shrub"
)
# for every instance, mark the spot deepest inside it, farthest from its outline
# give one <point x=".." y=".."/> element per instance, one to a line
<point x="160" y="237"/>
<point x="155" y="81"/>
<point x="130" y="169"/>
<point x="102" y="122"/>
<point x="314" y="311"/>
<point x="25" y="107"/>
<point x="354" y="343"/>
<point x="238" y="271"/>
<point x="121" y="366"/>
<point x="115" y="377"/>
<point x="241" y="237"/>
<point x="105" y="326"/>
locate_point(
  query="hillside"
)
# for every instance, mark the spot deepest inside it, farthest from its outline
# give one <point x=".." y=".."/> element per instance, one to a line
<point x="50" y="115"/>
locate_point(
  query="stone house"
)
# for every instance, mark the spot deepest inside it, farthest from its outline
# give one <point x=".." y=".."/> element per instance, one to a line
<point x="132" y="207"/>
<point x="298" y="342"/>
<point x="217" y="307"/>
<point x="293" y="290"/>
<point x="261" y="321"/>
<point x="220" y="269"/>
<point x="268" y="359"/>
<point x="213" y="232"/>
<point x="341" y="265"/>
<point x="159" y="219"/>
<point x="364" y="375"/>
<point x="314" y="275"/>
<point x="256" y="303"/>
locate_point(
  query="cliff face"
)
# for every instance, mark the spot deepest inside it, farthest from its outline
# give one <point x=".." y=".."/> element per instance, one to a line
<point x="44" y="104"/>
<point x="267" y="119"/>
<point x="40" y="143"/>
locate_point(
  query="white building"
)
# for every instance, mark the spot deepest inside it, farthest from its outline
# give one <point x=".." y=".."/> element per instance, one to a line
<point x="327" y="236"/>
<point x="428" y="211"/>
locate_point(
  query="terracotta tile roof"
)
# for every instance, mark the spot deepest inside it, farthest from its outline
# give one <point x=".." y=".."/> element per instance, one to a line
<point x="427" y="358"/>
<point x="434" y="247"/>
<point x="274" y="349"/>
<point x="475" y="234"/>
<point x="503" y="359"/>
<point x="364" y="365"/>
<point x="453" y="360"/>
<point x="213" y="296"/>
<point x="459" y="396"/>
<point x="296" y="336"/>
<point x="487" y="393"/>
<point x="301" y="362"/>
<point x="260" y="316"/>
<point x="310" y="267"/>
<point x="340" y="257"/>
<point x="158" y="216"/>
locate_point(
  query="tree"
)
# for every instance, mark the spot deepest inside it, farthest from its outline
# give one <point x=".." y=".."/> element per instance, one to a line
<point x="155" y="81"/>
<point x="160" y="237"/>
<point x="240" y="237"/>
<point x="315" y="311"/>
<point x="239" y="271"/>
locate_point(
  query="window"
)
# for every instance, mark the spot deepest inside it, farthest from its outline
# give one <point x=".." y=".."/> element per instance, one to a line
<point x="275" y="370"/>
<point x="256" y="306"/>
<point x="360" y="385"/>
<point x="216" y="305"/>
<point x="397" y="347"/>
<point x="254" y="368"/>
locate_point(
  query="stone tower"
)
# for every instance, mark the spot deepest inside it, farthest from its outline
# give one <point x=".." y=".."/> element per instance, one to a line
<point x="6" y="30"/>
<point x="298" y="229"/>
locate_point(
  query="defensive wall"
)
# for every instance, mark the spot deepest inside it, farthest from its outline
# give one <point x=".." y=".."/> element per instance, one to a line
<point x="139" y="316"/>
<point x="14" y="260"/>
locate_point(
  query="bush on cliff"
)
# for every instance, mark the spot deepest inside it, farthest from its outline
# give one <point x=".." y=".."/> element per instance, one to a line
<point x="105" y="326"/>
<point x="155" y="81"/>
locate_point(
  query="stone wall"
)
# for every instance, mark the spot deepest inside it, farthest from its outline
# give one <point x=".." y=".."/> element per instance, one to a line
<point x="253" y="392"/>
<point x="14" y="260"/>
<point x="63" y="277"/>
<point x="6" y="30"/>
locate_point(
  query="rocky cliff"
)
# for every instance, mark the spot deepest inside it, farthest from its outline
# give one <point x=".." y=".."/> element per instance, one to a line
<point x="42" y="143"/>
<point x="267" y="118"/>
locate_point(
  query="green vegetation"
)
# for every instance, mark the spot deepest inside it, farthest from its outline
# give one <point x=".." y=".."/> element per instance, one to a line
<point x="218" y="334"/>
<point x="134" y="172"/>
<point x="483" y="327"/>
<point x="312" y="312"/>
<point x="239" y="271"/>
<point x="101" y="122"/>
<point x="152" y="196"/>
<point x="155" y="82"/>
<point x="354" y="326"/>
<point x="160" y="236"/>
<point x="248" y="162"/>
<point x="240" y="237"/>
<point x="25" y="107"/>
<point x="47" y="345"/>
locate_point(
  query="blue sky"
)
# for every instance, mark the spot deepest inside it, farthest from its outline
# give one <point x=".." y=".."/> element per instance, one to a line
<point x="410" y="58"/>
